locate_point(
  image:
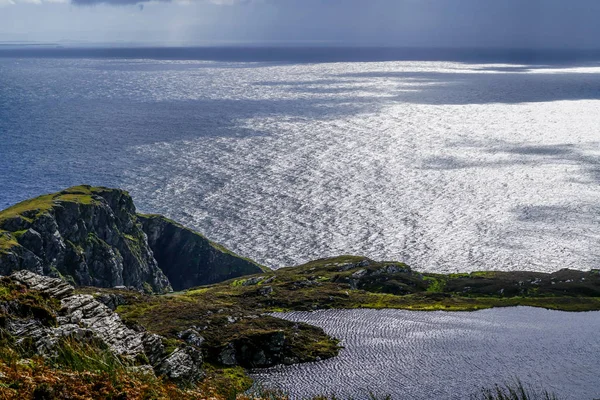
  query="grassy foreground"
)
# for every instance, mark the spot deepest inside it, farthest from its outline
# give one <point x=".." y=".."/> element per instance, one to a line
<point x="235" y="312"/>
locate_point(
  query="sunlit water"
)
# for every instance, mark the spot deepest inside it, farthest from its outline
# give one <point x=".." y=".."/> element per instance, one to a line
<point x="440" y="355"/>
<point x="444" y="165"/>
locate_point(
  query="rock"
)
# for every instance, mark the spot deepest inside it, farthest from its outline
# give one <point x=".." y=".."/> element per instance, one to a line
<point x="256" y="351"/>
<point x="87" y="234"/>
<point x="346" y="267"/>
<point x="253" y="281"/>
<point x="87" y="312"/>
<point x="364" y="263"/>
<point x="153" y="347"/>
<point x="359" y="274"/>
<point x="391" y="269"/>
<point x="92" y="236"/>
<point x="265" y="290"/>
<point x="290" y="360"/>
<point x="143" y="370"/>
<point x="53" y="287"/>
<point x="183" y="365"/>
<point x="85" y="319"/>
<point x="188" y="258"/>
<point x="192" y="337"/>
<point x="111" y="300"/>
<point x="227" y="356"/>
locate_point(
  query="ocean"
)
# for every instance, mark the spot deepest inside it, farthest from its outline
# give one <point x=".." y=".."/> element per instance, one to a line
<point x="446" y="160"/>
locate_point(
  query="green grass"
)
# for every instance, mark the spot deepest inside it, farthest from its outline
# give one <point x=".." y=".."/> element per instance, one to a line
<point x="7" y="241"/>
<point x="436" y="285"/>
<point x="81" y="357"/>
<point x="27" y="211"/>
<point x="31" y="208"/>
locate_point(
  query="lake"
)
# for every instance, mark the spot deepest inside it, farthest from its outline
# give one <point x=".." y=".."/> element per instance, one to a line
<point x="447" y="355"/>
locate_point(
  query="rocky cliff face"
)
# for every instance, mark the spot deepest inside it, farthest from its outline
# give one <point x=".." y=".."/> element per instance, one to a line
<point x="85" y="319"/>
<point x="90" y="236"/>
<point x="188" y="258"/>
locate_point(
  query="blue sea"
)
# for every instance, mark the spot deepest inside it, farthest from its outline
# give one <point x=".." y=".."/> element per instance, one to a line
<point x="449" y="160"/>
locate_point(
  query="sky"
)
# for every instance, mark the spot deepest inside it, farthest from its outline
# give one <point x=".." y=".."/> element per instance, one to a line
<point x="401" y="23"/>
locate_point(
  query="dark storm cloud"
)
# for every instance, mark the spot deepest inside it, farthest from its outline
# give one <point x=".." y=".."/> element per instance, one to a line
<point x="133" y="2"/>
<point x="402" y="23"/>
<point x="110" y="2"/>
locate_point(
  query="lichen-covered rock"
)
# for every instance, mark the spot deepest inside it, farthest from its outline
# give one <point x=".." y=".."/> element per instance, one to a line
<point x="88" y="235"/>
<point x="85" y="319"/>
<point x="53" y="287"/>
<point x="111" y="300"/>
<point x="192" y="337"/>
<point x="188" y="258"/>
<point x="183" y="365"/>
<point x="81" y="311"/>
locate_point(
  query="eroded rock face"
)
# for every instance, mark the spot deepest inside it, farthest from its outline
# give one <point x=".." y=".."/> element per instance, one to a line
<point x="258" y="351"/>
<point x="89" y="235"/>
<point x="85" y="319"/>
<point x="188" y="258"/>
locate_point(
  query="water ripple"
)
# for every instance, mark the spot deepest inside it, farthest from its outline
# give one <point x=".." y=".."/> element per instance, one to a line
<point x="440" y="355"/>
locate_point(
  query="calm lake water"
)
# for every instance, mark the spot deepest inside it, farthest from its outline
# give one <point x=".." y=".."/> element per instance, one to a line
<point x="440" y="355"/>
<point x="285" y="156"/>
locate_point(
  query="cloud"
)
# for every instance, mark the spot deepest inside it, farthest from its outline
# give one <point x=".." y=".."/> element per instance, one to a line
<point x="133" y="2"/>
<point x="401" y="23"/>
<point x="4" y="3"/>
<point x="109" y="2"/>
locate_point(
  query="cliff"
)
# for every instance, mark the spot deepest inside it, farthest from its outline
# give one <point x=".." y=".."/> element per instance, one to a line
<point x="89" y="236"/>
<point x="188" y="258"/>
<point x="92" y="236"/>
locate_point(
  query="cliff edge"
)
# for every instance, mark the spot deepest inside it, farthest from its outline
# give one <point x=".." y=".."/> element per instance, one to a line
<point x="93" y="236"/>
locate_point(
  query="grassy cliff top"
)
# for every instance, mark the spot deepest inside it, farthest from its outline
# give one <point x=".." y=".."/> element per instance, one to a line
<point x="31" y="209"/>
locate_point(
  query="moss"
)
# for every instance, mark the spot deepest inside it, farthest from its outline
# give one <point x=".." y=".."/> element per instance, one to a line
<point x="7" y="241"/>
<point x="31" y="302"/>
<point x="171" y="345"/>
<point x="147" y="288"/>
<point x="436" y="284"/>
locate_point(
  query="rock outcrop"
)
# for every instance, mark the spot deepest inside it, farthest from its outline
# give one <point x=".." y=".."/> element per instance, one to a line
<point x="188" y="258"/>
<point x="85" y="319"/>
<point x="257" y="351"/>
<point x="90" y="236"/>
